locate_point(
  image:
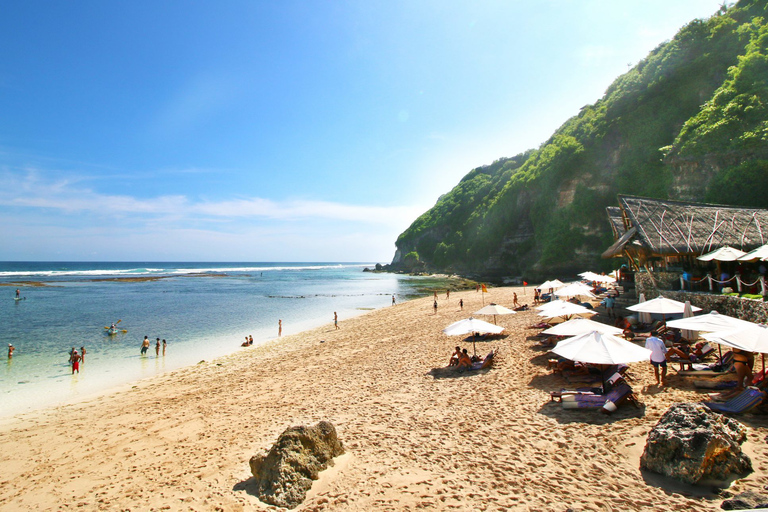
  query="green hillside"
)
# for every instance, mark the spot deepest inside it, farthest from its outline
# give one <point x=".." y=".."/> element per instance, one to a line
<point x="688" y="122"/>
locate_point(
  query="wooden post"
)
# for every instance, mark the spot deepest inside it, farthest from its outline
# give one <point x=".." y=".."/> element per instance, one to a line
<point x="738" y="282"/>
<point x="709" y="280"/>
<point x="682" y="282"/>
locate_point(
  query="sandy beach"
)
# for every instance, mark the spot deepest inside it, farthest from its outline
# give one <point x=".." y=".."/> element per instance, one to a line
<point x="487" y="441"/>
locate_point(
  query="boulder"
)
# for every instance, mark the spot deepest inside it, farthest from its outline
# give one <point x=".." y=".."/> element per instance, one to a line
<point x="746" y="500"/>
<point x="285" y="473"/>
<point x="695" y="445"/>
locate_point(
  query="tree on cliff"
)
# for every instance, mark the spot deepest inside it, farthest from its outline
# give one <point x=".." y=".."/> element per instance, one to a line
<point x="700" y="99"/>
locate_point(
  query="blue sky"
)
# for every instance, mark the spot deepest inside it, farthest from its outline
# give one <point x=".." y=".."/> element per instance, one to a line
<point x="282" y="130"/>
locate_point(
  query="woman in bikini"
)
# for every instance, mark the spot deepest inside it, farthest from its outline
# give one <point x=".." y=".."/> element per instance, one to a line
<point x="742" y="363"/>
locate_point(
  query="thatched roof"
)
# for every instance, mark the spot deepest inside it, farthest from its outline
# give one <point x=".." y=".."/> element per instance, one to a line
<point x="616" y="220"/>
<point x="666" y="228"/>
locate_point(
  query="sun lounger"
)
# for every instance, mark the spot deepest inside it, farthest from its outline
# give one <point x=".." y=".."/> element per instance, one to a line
<point x="706" y="350"/>
<point x="607" y="402"/>
<point x="720" y="367"/>
<point x="741" y="403"/>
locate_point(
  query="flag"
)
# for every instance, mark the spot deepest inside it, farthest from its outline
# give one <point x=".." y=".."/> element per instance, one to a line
<point x="525" y="284"/>
<point x="485" y="290"/>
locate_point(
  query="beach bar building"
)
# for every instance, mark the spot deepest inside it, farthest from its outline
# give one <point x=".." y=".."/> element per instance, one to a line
<point x="663" y="239"/>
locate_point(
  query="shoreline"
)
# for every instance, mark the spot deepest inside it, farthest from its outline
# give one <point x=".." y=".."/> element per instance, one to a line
<point x="489" y="440"/>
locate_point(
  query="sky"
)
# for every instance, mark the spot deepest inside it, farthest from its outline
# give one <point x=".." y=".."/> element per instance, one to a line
<point x="289" y="130"/>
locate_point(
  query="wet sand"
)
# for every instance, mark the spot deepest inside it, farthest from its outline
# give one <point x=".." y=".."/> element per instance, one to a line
<point x="486" y="441"/>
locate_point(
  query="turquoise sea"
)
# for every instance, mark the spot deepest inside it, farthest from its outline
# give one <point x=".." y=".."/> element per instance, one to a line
<point x="202" y="310"/>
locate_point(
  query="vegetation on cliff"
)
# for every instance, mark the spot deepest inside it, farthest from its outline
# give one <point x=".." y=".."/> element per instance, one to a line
<point x="690" y="121"/>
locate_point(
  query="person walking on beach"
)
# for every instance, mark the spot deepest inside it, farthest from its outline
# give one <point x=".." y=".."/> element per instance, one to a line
<point x="164" y="347"/>
<point x="279" y="328"/>
<point x="336" y="320"/>
<point x="435" y="307"/>
<point x="514" y="300"/>
<point x="393" y="300"/>
<point x="461" y="304"/>
<point x="10" y="351"/>
<point x="157" y="348"/>
<point x="82" y="354"/>
<point x="658" y="356"/>
<point x="610" y="304"/>
<point x="447" y="294"/>
<point x="145" y="345"/>
<point x="75" y="360"/>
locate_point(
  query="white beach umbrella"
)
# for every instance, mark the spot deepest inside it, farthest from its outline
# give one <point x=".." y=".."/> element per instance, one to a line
<point x="554" y="284"/>
<point x="566" y="311"/>
<point x="575" y="290"/>
<point x="711" y="322"/>
<point x="471" y="325"/>
<point x="551" y="304"/>
<point x="577" y="326"/>
<point x="598" y="278"/>
<point x="752" y="339"/>
<point x="597" y="348"/>
<point x="661" y="305"/>
<point x="494" y="309"/>
<point x="761" y="253"/>
<point x="688" y="313"/>
<point x="724" y="253"/>
<point x="643" y="317"/>
<point x="604" y="279"/>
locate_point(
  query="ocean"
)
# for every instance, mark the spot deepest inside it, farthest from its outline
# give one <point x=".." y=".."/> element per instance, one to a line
<point x="202" y="310"/>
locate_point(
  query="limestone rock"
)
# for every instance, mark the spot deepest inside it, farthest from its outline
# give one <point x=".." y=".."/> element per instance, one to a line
<point x="693" y="444"/>
<point x="745" y="501"/>
<point x="285" y="474"/>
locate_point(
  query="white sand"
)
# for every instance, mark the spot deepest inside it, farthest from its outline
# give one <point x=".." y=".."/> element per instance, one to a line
<point x="490" y="441"/>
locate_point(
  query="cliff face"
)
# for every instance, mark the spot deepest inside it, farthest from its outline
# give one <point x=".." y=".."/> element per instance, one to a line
<point x="688" y="122"/>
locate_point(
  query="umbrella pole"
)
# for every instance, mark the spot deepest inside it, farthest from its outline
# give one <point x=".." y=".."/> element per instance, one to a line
<point x="474" y="349"/>
<point x="494" y="319"/>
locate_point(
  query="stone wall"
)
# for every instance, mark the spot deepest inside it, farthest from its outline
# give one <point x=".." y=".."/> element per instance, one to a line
<point x="664" y="281"/>
<point x="746" y="309"/>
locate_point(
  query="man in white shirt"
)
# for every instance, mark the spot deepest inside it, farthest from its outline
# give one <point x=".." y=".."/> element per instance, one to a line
<point x="658" y="356"/>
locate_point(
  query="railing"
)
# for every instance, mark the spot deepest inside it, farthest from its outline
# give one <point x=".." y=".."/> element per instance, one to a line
<point x="707" y="283"/>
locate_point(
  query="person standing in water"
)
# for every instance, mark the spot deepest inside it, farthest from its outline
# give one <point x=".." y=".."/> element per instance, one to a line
<point x="279" y="328"/>
<point x="10" y="350"/>
<point x="145" y="345"/>
<point x="157" y="347"/>
<point x="336" y="320"/>
<point x="75" y="360"/>
<point x="164" y="347"/>
<point x="18" y="293"/>
<point x="82" y="354"/>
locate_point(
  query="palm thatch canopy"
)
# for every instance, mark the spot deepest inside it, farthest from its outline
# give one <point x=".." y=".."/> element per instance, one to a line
<point x="656" y="228"/>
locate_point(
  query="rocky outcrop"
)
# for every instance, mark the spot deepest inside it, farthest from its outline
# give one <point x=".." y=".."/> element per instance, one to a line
<point x="747" y="500"/>
<point x="695" y="445"/>
<point x="285" y="473"/>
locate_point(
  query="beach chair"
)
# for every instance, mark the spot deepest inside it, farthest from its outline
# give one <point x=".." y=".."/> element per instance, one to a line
<point x="741" y="403"/>
<point x="719" y="367"/>
<point x="608" y="402"/>
<point x="706" y="350"/>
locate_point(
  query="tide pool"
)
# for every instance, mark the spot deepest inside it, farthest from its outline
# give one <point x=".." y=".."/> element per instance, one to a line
<point x="202" y="310"/>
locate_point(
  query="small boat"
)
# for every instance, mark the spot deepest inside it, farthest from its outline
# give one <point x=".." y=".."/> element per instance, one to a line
<point x="112" y="331"/>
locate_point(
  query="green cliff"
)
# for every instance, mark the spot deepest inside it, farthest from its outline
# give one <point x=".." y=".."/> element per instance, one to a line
<point x="688" y="122"/>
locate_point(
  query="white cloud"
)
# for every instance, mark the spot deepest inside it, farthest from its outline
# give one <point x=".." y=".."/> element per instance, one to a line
<point x="81" y="222"/>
